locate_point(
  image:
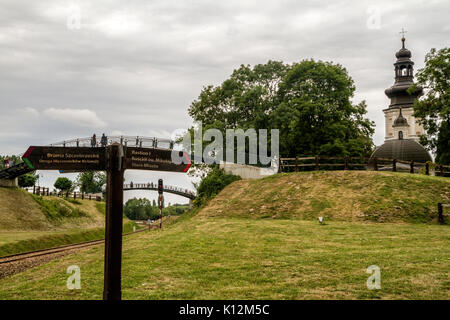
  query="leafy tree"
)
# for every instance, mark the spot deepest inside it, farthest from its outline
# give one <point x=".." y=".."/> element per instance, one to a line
<point x="27" y="180"/>
<point x="63" y="184"/>
<point x="310" y="102"/>
<point x="91" y="181"/>
<point x="140" y="209"/>
<point x="212" y="184"/>
<point x="433" y="108"/>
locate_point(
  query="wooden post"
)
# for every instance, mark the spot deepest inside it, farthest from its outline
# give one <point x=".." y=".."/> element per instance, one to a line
<point x="440" y="213"/>
<point x="411" y="167"/>
<point x="394" y="165"/>
<point x="74" y="195"/>
<point x="82" y="196"/>
<point x="113" y="233"/>
<point x="346" y="163"/>
<point x="296" y="164"/>
<point x="34" y="189"/>
<point x="317" y="163"/>
<point x="427" y="169"/>
<point x="375" y="164"/>
<point x="67" y="194"/>
<point x="89" y="197"/>
<point x="442" y="170"/>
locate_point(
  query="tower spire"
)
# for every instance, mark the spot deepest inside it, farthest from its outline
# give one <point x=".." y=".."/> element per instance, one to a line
<point x="403" y="37"/>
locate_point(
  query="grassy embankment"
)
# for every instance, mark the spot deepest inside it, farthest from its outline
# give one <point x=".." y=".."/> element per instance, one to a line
<point x="228" y="251"/>
<point x="29" y="222"/>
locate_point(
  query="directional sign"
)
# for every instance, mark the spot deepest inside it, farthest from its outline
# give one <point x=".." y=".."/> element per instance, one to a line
<point x="156" y="159"/>
<point x="65" y="158"/>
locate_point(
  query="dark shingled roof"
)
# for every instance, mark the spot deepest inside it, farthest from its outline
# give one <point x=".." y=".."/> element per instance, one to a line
<point x="405" y="149"/>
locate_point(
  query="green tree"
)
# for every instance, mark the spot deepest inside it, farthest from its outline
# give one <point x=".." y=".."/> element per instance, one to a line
<point x="140" y="209"/>
<point x="91" y="181"/>
<point x="63" y="184"/>
<point x="310" y="102"/>
<point x="433" y="108"/>
<point x="212" y="184"/>
<point x="27" y="180"/>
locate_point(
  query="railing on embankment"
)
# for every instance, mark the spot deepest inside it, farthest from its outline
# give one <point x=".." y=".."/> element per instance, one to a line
<point x="42" y="191"/>
<point x="360" y="163"/>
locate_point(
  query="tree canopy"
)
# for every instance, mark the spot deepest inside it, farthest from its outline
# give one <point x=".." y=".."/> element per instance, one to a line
<point x="433" y="108"/>
<point x="63" y="184"/>
<point x="91" y="181"/>
<point x="310" y="102"/>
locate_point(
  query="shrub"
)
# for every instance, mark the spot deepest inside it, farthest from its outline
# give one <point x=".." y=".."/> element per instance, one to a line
<point x="212" y="184"/>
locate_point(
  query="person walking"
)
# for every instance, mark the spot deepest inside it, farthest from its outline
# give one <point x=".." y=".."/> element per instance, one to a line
<point x="103" y="141"/>
<point x="94" y="141"/>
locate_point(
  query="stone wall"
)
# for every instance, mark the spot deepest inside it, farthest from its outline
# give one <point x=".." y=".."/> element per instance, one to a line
<point x="246" y="171"/>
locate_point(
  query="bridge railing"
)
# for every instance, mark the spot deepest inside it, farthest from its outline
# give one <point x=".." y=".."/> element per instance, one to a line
<point x="131" y="141"/>
<point x="152" y="185"/>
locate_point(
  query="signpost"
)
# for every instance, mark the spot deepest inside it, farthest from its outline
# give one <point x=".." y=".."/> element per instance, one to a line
<point x="114" y="159"/>
<point x="160" y="200"/>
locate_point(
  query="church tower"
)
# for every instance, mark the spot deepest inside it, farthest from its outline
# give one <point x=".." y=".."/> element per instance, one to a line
<point x="402" y="102"/>
<point x="402" y="129"/>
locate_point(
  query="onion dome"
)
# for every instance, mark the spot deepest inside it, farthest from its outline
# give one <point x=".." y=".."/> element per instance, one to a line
<point x="402" y="149"/>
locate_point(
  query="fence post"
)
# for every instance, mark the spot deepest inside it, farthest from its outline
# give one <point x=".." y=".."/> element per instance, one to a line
<point x="67" y="194"/>
<point x="82" y="196"/>
<point x="442" y="170"/>
<point x="317" y="163"/>
<point x="296" y="164"/>
<point x="411" y="167"/>
<point x="346" y="163"/>
<point x="440" y="213"/>
<point x="279" y="165"/>
<point x="34" y="189"/>
<point x="89" y="197"/>
<point x="375" y="164"/>
<point x="74" y="195"/>
<point x="394" y="165"/>
<point x="427" y="169"/>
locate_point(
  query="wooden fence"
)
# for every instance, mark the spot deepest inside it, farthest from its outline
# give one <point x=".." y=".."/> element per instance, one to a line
<point x="359" y="163"/>
<point x="42" y="191"/>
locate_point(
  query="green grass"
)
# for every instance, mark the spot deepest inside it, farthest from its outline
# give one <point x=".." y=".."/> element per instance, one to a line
<point x="236" y="258"/>
<point x="58" y="209"/>
<point x="101" y="207"/>
<point x="336" y="195"/>
<point x="261" y="240"/>
<point x="19" y="242"/>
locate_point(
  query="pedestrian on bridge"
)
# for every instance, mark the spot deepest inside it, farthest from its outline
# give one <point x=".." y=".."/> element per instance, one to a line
<point x="104" y="141"/>
<point x="94" y="141"/>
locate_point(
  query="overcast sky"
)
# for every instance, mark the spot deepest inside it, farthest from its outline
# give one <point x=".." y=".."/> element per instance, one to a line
<point x="72" y="68"/>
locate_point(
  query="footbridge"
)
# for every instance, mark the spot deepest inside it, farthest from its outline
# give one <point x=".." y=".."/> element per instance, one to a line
<point x="8" y="176"/>
<point x="154" y="187"/>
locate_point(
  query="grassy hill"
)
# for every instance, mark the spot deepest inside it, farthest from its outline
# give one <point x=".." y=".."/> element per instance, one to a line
<point x="29" y="222"/>
<point x="21" y="211"/>
<point x="228" y="251"/>
<point x="336" y="195"/>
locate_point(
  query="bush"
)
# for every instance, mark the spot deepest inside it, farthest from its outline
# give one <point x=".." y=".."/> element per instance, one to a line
<point x="212" y="184"/>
